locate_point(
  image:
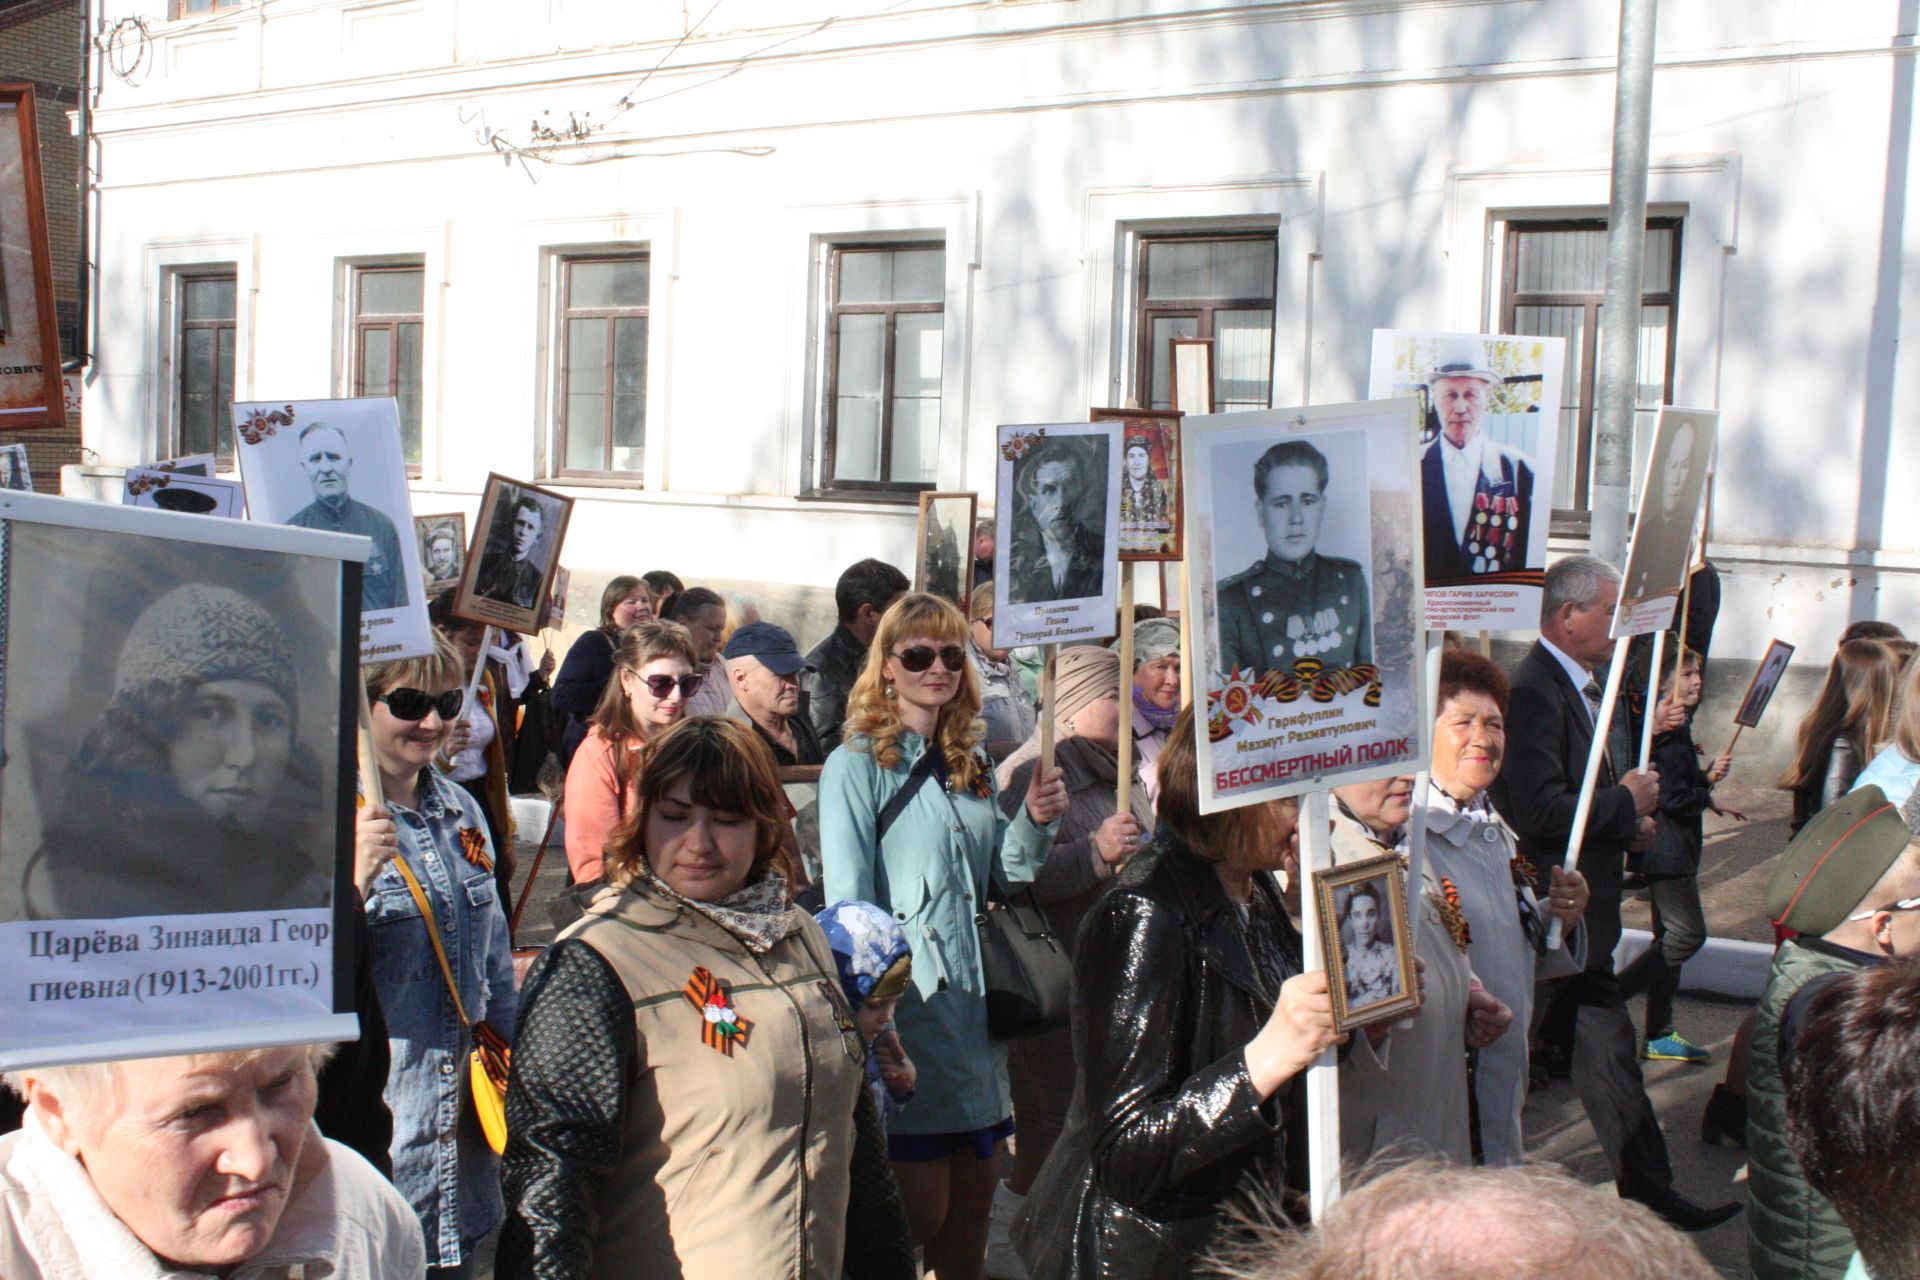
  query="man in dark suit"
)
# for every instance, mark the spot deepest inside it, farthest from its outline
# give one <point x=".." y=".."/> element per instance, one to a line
<point x="1477" y="493"/>
<point x="1550" y="726"/>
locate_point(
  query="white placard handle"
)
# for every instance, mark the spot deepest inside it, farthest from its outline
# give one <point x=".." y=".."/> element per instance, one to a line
<point x="1323" y="1077"/>
<point x="1595" y="755"/>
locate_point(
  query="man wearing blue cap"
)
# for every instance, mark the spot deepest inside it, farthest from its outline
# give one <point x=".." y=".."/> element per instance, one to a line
<point x="764" y="665"/>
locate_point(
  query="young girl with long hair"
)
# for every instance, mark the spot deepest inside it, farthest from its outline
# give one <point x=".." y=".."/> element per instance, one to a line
<point x="1850" y="719"/>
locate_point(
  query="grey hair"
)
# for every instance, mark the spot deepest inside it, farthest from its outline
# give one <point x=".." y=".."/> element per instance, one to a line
<point x="84" y="1086"/>
<point x="1574" y="580"/>
<point x="1449" y="1222"/>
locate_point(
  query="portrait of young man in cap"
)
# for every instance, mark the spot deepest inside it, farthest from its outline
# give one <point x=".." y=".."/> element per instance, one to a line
<point x="1477" y="493"/>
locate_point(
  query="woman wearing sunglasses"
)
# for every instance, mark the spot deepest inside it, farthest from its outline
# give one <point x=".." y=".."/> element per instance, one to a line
<point x="918" y="695"/>
<point x="652" y="679"/>
<point x="437" y="828"/>
<point x="688" y="1096"/>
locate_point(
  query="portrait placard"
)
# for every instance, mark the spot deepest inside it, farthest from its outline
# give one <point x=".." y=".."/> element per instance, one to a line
<point x="176" y="805"/>
<point x="1766" y="678"/>
<point x="15" y="471"/>
<point x="1303" y="569"/>
<point x="336" y="466"/>
<point x="1365" y="938"/>
<point x="184" y="493"/>
<point x="443" y="549"/>
<point x="192" y="464"/>
<point x="514" y="555"/>
<point x="1056" y="574"/>
<point x="943" y="566"/>
<point x="1150" y="502"/>
<point x="554" y="615"/>
<point x="32" y="393"/>
<point x="1489" y="440"/>
<point x="1671" y="491"/>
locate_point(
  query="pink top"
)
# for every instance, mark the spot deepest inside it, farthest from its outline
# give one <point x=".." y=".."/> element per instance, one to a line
<point x="594" y="805"/>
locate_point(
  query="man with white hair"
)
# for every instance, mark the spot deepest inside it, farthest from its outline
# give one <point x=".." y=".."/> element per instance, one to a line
<point x="1478" y="493"/>
<point x="160" y="1168"/>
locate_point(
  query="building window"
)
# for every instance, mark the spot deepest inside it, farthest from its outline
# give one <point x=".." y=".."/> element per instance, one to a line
<point x="203" y="338"/>
<point x="885" y="330"/>
<point x="188" y="8"/>
<point x="1216" y="286"/>
<point x="388" y="303"/>
<point x="603" y="365"/>
<point x="1554" y="282"/>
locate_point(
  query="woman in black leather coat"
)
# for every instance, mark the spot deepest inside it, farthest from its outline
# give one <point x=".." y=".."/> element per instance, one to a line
<point x="1193" y="1027"/>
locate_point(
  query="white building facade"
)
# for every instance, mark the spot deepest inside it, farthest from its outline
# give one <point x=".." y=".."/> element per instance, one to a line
<point x="767" y="268"/>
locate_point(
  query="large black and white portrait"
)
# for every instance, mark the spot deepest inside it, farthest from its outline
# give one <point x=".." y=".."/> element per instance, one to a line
<point x="173" y="719"/>
<point x="183" y="492"/>
<point x="1303" y="576"/>
<point x="1056" y="546"/>
<point x="1489" y="439"/>
<point x="443" y="549"/>
<point x="1766" y="679"/>
<point x="515" y="553"/>
<point x="1671" y="492"/>
<point x="1364" y="934"/>
<point x="336" y="466"/>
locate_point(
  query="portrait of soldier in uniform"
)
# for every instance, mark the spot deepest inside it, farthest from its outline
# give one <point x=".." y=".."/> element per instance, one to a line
<point x="1296" y="603"/>
<point x="1663" y="528"/>
<point x="1477" y="493"/>
<point x="1058" y="551"/>
<point x="443" y="549"/>
<point x="328" y="462"/>
<point x="512" y="568"/>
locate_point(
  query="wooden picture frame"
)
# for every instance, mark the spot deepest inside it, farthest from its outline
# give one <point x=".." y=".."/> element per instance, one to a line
<point x="503" y="583"/>
<point x="1347" y="977"/>
<point x="944" y="568"/>
<point x="31" y="394"/>
<point x="553" y="615"/>
<point x="426" y="530"/>
<point x="1150" y="538"/>
<point x="1190" y="365"/>
<point x="1766" y="678"/>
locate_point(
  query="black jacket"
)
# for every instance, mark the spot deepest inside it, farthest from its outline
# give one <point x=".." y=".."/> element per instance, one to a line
<point x="1679" y="832"/>
<point x="827" y="681"/>
<point x="1548" y="734"/>
<point x="1165" y="1128"/>
<point x="577" y="688"/>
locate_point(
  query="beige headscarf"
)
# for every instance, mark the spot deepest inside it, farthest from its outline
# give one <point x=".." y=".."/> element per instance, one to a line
<point x="1082" y="676"/>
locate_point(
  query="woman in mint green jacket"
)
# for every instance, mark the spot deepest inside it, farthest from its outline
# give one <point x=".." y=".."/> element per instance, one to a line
<point x="931" y="871"/>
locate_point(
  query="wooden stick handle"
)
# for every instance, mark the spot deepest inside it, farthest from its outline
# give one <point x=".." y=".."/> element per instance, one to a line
<point x="1417" y="814"/>
<point x="1189" y="673"/>
<point x="479" y="669"/>
<point x="1046" y="707"/>
<point x="1124" y="796"/>
<point x="371" y="792"/>
<point x="1735" y="739"/>
<point x="1595" y="755"/>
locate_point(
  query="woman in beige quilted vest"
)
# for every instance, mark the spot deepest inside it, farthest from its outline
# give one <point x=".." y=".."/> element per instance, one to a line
<point x="688" y="1095"/>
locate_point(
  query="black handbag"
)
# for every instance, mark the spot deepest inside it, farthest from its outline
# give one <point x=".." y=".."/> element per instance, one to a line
<point x="1029" y="977"/>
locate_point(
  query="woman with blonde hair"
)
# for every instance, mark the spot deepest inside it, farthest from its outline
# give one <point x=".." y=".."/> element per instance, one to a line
<point x="689" y="1096"/>
<point x="1850" y="719"/>
<point x="1896" y="770"/>
<point x="652" y="679"/>
<point x="908" y="821"/>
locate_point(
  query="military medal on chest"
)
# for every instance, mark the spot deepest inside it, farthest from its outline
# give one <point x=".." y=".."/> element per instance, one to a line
<point x="1316" y="633"/>
<point x="1494" y="533"/>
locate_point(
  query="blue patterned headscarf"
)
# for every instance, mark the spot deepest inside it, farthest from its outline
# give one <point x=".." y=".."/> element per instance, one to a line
<point x="867" y="945"/>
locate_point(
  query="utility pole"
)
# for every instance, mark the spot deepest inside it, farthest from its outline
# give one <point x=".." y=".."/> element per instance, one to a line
<point x="1620" y="312"/>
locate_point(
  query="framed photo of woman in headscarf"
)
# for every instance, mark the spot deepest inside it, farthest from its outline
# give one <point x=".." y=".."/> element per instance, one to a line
<point x="1364" y="936"/>
<point x="176" y="838"/>
<point x="1150" y="507"/>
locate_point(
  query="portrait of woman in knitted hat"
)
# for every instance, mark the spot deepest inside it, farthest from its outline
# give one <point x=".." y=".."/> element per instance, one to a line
<point x="192" y="790"/>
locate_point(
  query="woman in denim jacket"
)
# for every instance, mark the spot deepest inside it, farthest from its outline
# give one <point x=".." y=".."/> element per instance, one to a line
<point x="441" y="1160"/>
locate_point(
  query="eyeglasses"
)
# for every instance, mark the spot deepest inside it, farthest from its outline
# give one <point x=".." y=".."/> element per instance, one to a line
<point x="413" y="704"/>
<point x="1905" y="904"/>
<point x="661" y="686"/>
<point x="920" y="657"/>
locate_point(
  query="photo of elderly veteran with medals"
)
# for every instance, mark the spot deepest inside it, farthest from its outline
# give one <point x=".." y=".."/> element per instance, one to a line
<point x="1055" y="554"/>
<point x="1478" y="492"/>
<point x="1295" y="603"/>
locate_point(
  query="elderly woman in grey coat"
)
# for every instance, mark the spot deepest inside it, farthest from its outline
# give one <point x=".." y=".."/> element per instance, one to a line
<point x="1093" y="839"/>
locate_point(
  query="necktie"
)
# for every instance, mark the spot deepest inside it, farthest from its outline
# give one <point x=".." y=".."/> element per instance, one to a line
<point x="1592" y="695"/>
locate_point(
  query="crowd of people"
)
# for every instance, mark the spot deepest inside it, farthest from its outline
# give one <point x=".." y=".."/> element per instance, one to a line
<point x="766" y="1044"/>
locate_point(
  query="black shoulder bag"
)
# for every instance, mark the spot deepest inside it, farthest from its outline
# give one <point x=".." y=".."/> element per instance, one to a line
<point x="1028" y="976"/>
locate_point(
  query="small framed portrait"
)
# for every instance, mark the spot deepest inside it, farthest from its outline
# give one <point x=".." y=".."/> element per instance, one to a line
<point x="1191" y="384"/>
<point x="184" y="493"/>
<point x="554" y="615"/>
<point x="1056" y="568"/>
<point x="443" y="549"/>
<point x="192" y="464"/>
<point x="514" y="556"/>
<point x="943" y="565"/>
<point x="1365" y="938"/>
<point x="1149" y="482"/>
<point x="14" y="471"/>
<point x="1766" y="678"/>
<point x="31" y="391"/>
<point x="1671" y="492"/>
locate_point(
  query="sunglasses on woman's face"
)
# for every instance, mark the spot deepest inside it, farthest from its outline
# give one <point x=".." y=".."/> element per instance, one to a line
<point x="413" y="704"/>
<point x="661" y="686"/>
<point x="920" y="657"/>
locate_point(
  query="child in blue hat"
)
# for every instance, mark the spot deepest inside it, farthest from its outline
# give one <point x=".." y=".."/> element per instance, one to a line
<point x="876" y="966"/>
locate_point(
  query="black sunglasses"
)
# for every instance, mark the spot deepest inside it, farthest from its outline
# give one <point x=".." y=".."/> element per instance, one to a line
<point x="413" y="704"/>
<point x="661" y="686"/>
<point x="920" y="657"/>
